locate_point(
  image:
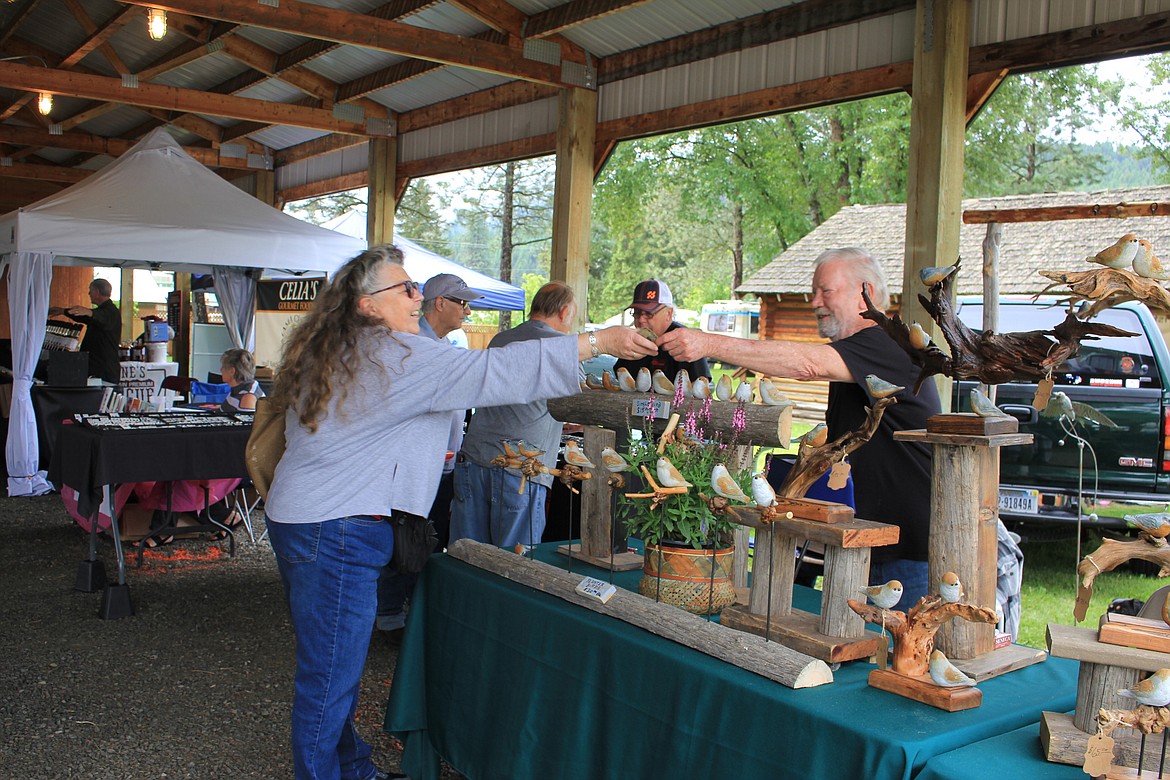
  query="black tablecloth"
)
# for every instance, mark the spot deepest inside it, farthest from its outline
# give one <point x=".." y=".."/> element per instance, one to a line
<point x="51" y="405"/>
<point x="87" y="459"/>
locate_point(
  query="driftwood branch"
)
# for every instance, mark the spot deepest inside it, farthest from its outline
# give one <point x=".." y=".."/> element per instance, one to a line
<point x="914" y="632"/>
<point x="1108" y="287"/>
<point x="991" y="358"/>
<point x="1109" y="556"/>
<point x="812" y="462"/>
<point x="1146" y="719"/>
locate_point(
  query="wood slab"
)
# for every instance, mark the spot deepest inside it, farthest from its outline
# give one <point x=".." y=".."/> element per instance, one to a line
<point x="970" y="424"/>
<point x="1064" y="743"/>
<point x="1133" y="631"/>
<point x="801" y="631"/>
<point x="1080" y="644"/>
<point x="767" y="659"/>
<point x="1001" y="661"/>
<point x="815" y="510"/>
<point x="963" y="440"/>
<point x="855" y="533"/>
<point x="922" y="689"/>
<point x="623" y="561"/>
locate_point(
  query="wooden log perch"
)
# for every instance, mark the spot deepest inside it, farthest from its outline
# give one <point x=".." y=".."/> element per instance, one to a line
<point x="747" y="651"/>
<point x="1108" y="287"/>
<point x="914" y="632"/>
<point x="1144" y="718"/>
<point x="991" y="358"/>
<point x="1109" y="556"/>
<point x="812" y="462"/>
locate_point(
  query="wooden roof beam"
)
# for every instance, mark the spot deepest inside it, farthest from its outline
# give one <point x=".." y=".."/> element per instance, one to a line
<point x="16" y="18"/>
<point x="562" y="17"/>
<point x="98" y="35"/>
<point x="19" y="170"/>
<point x="505" y="18"/>
<point x="314" y="21"/>
<point x="95" y="144"/>
<point x="980" y="88"/>
<point x="15" y="76"/>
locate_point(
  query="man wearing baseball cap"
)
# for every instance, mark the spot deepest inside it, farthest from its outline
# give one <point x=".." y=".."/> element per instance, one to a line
<point x="653" y="308"/>
<point x="446" y="302"/>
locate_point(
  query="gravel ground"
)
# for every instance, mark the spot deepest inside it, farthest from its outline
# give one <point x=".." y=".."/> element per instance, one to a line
<point x="197" y="684"/>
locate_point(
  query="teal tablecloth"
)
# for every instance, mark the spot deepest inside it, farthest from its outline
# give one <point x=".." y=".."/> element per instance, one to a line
<point x="1016" y="754"/>
<point x="506" y="682"/>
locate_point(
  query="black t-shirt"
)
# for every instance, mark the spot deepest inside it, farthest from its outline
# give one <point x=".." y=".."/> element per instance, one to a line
<point x="103" y="327"/>
<point x="891" y="479"/>
<point x="665" y="363"/>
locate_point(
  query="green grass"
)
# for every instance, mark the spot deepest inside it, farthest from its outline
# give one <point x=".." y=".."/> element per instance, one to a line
<point x="1050" y="586"/>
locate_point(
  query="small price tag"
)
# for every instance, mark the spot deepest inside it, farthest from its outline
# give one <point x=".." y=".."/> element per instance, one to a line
<point x="1098" y="755"/>
<point x="656" y="409"/>
<point x="1043" y="393"/>
<point x="839" y="476"/>
<point x="882" y="657"/>
<point x="594" y="588"/>
<point x="1081" y="607"/>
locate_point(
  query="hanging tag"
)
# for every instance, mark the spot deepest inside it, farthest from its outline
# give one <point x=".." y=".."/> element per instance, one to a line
<point x="839" y="476"/>
<point x="1043" y="393"/>
<point x="882" y="658"/>
<point x="1098" y="755"/>
<point x="1084" y="596"/>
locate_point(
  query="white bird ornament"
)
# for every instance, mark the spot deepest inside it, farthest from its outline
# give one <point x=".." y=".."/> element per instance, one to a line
<point x="950" y="589"/>
<point x="613" y="461"/>
<point x="743" y="393"/>
<point x="644" y="381"/>
<point x="662" y="385"/>
<point x="701" y="388"/>
<point x="816" y="437"/>
<point x="984" y="406"/>
<point x="626" y="380"/>
<point x="683" y="378"/>
<point x="932" y="276"/>
<point x="1117" y="255"/>
<point x="1154" y="691"/>
<point x="885" y="596"/>
<point x="880" y="388"/>
<point x="575" y="456"/>
<point x="1147" y="264"/>
<point x="770" y="394"/>
<point x="946" y="674"/>
<point x="762" y="492"/>
<point x="919" y="339"/>
<point x="723" y="484"/>
<point x="723" y="388"/>
<point x="668" y="475"/>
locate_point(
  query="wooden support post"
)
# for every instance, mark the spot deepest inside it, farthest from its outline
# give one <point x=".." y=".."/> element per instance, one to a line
<point x="846" y="571"/>
<point x="126" y="304"/>
<point x="573" y="195"/>
<point x="774" y="568"/>
<point x="383" y="164"/>
<point x="739" y="563"/>
<point x="266" y="187"/>
<point x="596" y="498"/>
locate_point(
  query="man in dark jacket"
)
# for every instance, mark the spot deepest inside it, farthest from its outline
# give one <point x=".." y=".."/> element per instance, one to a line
<point x="103" y="328"/>
<point x="653" y="308"/>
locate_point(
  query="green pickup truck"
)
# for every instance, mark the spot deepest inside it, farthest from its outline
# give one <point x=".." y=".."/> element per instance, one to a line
<point x="1116" y="452"/>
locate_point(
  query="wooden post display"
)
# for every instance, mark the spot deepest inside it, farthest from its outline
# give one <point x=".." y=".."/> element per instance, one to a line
<point x="1105" y="669"/>
<point x="838" y="634"/>
<point x="964" y="511"/>
<point x="767" y="426"/>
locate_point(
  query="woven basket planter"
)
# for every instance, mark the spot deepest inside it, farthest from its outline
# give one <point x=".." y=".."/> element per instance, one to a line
<point x="682" y="576"/>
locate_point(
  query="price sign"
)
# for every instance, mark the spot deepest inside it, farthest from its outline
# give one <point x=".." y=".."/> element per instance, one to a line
<point x="656" y="409"/>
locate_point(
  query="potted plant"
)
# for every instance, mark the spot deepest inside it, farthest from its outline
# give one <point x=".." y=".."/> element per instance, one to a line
<point x="689" y="546"/>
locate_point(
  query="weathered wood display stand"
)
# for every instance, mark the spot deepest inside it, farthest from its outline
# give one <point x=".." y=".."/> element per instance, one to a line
<point x="837" y="634"/>
<point x="964" y="511"/>
<point x="1105" y="669"/>
<point x="767" y="426"/>
<point x="769" y="659"/>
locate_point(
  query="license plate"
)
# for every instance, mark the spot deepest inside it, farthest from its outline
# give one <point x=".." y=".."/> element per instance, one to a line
<point x="1024" y="502"/>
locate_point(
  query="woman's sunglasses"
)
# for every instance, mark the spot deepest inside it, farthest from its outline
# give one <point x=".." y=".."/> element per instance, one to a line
<point x="409" y="288"/>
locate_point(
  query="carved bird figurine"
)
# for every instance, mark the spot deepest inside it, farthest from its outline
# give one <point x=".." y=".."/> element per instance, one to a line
<point x="770" y="394"/>
<point x="644" y="381"/>
<point x="576" y="456"/>
<point x="626" y="380"/>
<point x="613" y="461"/>
<point x="816" y="437"/>
<point x="527" y="450"/>
<point x="762" y="492"/>
<point x="946" y="674"/>
<point x="1156" y="524"/>
<point x="608" y="382"/>
<point x="684" y="379"/>
<point x="743" y="393"/>
<point x="510" y="448"/>
<point x="1118" y="255"/>
<point x="919" y="339"/>
<point x="668" y="475"/>
<point x="1059" y="405"/>
<point x="984" y="406"/>
<point x="950" y="589"/>
<point x="701" y="388"/>
<point x="1147" y="264"/>
<point x="592" y="382"/>
<point x="932" y="276"/>
<point x="723" y="388"/>
<point x="885" y="596"/>
<point x="724" y="485"/>
<point x="1154" y="691"/>
<point x="880" y="388"/>
<point x="662" y="385"/>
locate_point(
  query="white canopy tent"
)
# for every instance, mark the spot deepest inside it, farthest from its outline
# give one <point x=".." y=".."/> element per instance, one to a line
<point x="154" y="207"/>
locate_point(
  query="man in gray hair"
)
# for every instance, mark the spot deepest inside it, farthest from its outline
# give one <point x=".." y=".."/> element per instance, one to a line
<point x="891" y="479"/>
<point x="103" y="329"/>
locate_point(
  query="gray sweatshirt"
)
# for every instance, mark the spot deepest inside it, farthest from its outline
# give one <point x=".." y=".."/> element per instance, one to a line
<point x="384" y="450"/>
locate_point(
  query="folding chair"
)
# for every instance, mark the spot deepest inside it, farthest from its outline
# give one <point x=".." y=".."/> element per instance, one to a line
<point x="244" y="506"/>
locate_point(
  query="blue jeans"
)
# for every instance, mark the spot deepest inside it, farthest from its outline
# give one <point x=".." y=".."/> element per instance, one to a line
<point x="489" y="508"/>
<point x="330" y="574"/>
<point x="912" y="575"/>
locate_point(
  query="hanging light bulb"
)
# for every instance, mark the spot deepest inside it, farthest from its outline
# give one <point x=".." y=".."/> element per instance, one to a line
<point x="156" y="23"/>
<point x="44" y="103"/>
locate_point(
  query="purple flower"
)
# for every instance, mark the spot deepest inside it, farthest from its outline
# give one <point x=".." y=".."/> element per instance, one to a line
<point x="738" y="420"/>
<point x="680" y="395"/>
<point x="690" y="424"/>
<point x="706" y="409"/>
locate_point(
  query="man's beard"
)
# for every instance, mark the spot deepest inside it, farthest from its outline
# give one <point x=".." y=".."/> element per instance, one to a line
<point x="828" y="327"/>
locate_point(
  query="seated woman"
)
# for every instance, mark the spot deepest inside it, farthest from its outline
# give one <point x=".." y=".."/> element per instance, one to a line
<point x="238" y="369"/>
